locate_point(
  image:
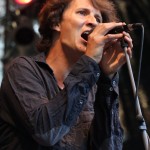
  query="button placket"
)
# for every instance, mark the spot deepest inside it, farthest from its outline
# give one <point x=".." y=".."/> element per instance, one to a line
<point x="114" y="83"/>
<point x="98" y="74"/>
<point x="81" y="102"/>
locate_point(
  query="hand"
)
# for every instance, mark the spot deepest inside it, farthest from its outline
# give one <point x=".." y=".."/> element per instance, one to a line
<point x="113" y="55"/>
<point x="99" y="38"/>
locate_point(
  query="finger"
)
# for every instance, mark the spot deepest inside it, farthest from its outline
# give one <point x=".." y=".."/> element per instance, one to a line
<point x="126" y="34"/>
<point x="113" y="37"/>
<point x="128" y="39"/>
<point x="129" y="51"/>
<point x="110" y="44"/>
<point x="104" y="28"/>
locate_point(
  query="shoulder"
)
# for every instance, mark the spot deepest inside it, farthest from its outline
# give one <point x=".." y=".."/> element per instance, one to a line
<point x="28" y="60"/>
<point x="21" y="64"/>
<point x="21" y="68"/>
<point x="20" y="61"/>
<point x="31" y="64"/>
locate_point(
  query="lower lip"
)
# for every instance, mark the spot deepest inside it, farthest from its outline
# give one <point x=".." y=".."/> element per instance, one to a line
<point x="83" y="40"/>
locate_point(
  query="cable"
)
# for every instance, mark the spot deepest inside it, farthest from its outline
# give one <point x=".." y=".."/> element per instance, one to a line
<point x="140" y="61"/>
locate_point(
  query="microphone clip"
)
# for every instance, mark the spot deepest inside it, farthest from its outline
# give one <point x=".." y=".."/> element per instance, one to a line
<point x="127" y="28"/>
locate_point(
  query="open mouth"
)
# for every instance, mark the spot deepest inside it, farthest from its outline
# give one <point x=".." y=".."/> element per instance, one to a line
<point x="85" y="34"/>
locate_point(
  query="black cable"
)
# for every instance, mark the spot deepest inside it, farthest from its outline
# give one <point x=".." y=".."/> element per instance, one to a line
<point x="138" y="81"/>
<point x="140" y="61"/>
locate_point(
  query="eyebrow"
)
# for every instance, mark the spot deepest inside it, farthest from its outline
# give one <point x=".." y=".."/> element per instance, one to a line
<point x="97" y="14"/>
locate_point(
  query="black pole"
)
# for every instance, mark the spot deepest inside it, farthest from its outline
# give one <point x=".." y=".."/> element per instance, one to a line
<point x="139" y="116"/>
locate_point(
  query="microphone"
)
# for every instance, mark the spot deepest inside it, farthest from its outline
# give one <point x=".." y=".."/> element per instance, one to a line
<point x="127" y="28"/>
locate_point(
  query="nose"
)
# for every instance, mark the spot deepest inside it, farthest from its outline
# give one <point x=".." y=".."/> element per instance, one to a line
<point x="91" y="21"/>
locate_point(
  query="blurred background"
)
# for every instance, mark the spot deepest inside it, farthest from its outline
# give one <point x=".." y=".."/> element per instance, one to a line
<point x="19" y="34"/>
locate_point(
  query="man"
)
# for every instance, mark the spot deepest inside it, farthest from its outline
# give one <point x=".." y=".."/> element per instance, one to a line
<point x="66" y="98"/>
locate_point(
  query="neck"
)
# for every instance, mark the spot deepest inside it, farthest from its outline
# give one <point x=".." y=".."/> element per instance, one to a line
<point x="61" y="61"/>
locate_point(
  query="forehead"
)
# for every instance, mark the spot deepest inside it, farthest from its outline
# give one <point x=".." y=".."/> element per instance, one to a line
<point x="77" y="4"/>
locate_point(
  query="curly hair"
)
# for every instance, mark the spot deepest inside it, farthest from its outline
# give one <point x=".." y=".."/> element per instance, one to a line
<point x="51" y="14"/>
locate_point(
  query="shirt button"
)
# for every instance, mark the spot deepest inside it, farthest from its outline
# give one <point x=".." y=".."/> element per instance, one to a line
<point x="110" y="89"/>
<point x="81" y="102"/>
<point x="114" y="83"/>
<point x="98" y="74"/>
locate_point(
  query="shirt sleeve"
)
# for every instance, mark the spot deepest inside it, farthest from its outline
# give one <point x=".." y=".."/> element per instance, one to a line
<point x="106" y="132"/>
<point x="47" y="120"/>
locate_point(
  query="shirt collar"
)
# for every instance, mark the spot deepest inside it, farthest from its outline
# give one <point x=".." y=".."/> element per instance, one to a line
<point x="40" y="57"/>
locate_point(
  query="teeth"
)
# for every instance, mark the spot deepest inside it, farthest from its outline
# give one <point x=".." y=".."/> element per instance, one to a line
<point x="85" y="35"/>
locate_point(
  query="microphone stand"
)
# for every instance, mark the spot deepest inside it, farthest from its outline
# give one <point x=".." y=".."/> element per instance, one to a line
<point x="140" y="119"/>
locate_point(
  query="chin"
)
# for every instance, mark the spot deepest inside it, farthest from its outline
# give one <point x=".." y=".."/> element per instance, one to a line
<point x="82" y="49"/>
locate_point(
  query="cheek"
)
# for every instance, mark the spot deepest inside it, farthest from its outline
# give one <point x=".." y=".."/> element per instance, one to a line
<point x="72" y="21"/>
<point x="71" y="29"/>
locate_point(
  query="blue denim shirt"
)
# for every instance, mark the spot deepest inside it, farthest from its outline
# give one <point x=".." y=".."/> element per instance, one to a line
<point x="35" y="114"/>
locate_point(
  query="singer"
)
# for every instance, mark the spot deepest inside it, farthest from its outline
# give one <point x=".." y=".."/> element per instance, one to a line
<point x="66" y="97"/>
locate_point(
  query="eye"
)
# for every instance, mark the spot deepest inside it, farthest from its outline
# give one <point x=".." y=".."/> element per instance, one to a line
<point x="82" y="12"/>
<point x="98" y="19"/>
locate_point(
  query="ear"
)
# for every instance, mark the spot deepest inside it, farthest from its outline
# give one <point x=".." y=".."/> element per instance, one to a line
<point x="57" y="27"/>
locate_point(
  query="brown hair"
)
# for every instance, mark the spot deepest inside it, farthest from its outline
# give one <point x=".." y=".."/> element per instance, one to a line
<point x="107" y="10"/>
<point x="51" y="14"/>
